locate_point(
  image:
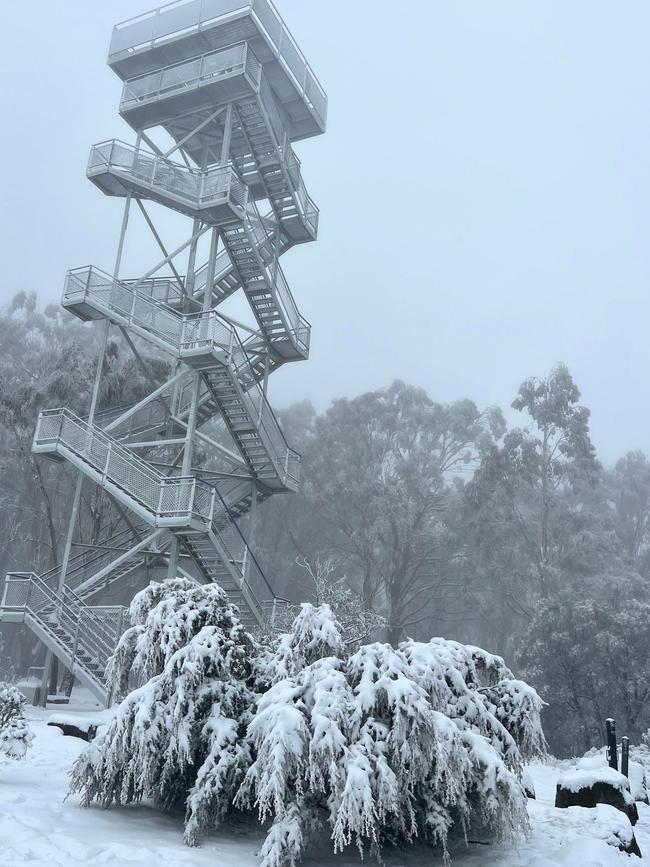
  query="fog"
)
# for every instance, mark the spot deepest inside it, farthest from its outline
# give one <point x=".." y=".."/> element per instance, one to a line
<point x="483" y="188"/>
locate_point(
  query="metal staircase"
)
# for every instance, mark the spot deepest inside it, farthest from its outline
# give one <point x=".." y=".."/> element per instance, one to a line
<point x="228" y="85"/>
<point x="97" y="569"/>
<point x="83" y="637"/>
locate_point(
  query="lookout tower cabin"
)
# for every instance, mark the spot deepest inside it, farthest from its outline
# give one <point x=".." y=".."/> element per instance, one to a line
<point x="181" y="63"/>
<point x="207" y="52"/>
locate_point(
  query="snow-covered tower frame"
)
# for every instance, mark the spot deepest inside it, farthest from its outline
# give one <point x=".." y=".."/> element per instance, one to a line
<point x="226" y="82"/>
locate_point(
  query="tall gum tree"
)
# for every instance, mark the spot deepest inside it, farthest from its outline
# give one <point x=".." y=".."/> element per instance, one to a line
<point x="379" y="473"/>
<point x="521" y="495"/>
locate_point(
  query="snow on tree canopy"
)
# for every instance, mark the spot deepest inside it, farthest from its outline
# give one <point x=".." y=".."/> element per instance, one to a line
<point x="15" y="734"/>
<point x="387" y="744"/>
<point x="315" y="634"/>
<point x="180" y="737"/>
<point x="380" y="745"/>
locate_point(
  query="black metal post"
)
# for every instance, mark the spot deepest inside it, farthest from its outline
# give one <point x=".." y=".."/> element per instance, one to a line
<point x="625" y="756"/>
<point x="612" y="752"/>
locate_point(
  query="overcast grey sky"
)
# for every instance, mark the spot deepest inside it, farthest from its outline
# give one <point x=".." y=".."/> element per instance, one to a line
<point x="484" y="188"/>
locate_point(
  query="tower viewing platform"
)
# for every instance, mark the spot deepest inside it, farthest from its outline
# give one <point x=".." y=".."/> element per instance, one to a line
<point x="216" y="195"/>
<point x="186" y="29"/>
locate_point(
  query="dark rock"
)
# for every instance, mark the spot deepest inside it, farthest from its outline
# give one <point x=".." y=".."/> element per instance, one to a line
<point x="73" y="731"/>
<point x="632" y="848"/>
<point x="570" y="794"/>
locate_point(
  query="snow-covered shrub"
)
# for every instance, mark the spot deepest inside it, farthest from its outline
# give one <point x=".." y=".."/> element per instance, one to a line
<point x="387" y="744"/>
<point x="164" y="617"/>
<point x="179" y="737"/>
<point x="379" y="745"/>
<point x="15" y="734"/>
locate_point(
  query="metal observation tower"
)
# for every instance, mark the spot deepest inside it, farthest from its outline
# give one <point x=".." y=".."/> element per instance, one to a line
<point x="226" y="82"/>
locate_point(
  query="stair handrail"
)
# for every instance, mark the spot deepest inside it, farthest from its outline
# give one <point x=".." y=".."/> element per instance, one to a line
<point x="233" y="523"/>
<point x="261" y="412"/>
<point x="294" y="321"/>
<point x="182" y="333"/>
<point x="289" y="161"/>
<point x="59" y="605"/>
<point x="110" y="637"/>
<point x="85" y="571"/>
<point x="198" y="494"/>
<point x="74" y="561"/>
<point x="223" y="259"/>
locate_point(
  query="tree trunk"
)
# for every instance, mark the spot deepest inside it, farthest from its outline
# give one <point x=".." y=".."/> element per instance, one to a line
<point x="544" y="588"/>
<point x="395" y="629"/>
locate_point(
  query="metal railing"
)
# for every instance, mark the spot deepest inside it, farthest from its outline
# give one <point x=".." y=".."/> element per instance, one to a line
<point x="174" y="331"/>
<point x="307" y="208"/>
<point x="86" y="564"/>
<point x="82" y="629"/>
<point x="185" y="335"/>
<point x="145" y="418"/>
<point x="298" y="328"/>
<point x="166" y="290"/>
<point x="184" y="17"/>
<point x="222" y="268"/>
<point x="198" y="189"/>
<point x="280" y="613"/>
<point x="252" y="576"/>
<point x="223" y="265"/>
<point x="309" y="212"/>
<point x="191" y="74"/>
<point x="170" y="500"/>
<point x="287" y="461"/>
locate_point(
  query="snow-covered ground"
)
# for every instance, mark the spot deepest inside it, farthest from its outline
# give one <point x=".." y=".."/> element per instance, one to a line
<point x="38" y="826"/>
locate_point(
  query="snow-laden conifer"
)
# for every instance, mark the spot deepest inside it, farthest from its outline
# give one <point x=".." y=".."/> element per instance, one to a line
<point x="377" y="746"/>
<point x="180" y="736"/>
<point x="387" y="744"/>
<point x="15" y="735"/>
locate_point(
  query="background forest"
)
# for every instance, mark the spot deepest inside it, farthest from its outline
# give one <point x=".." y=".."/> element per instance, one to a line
<point x="439" y="517"/>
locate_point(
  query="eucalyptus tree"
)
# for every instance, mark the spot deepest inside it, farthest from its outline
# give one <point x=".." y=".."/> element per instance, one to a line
<point x="527" y="499"/>
<point x="379" y="472"/>
<point x="629" y="484"/>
